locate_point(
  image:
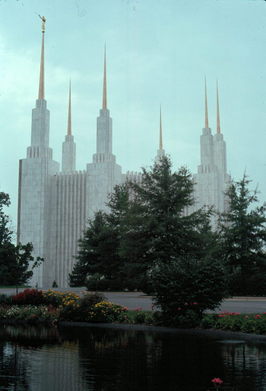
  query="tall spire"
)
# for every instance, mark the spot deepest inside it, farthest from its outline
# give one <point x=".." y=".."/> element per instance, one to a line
<point x="104" y="82"/>
<point x="41" y="81"/>
<point x="161" y="132"/>
<point x="69" y="123"/>
<point x="206" y="107"/>
<point x="218" y="109"/>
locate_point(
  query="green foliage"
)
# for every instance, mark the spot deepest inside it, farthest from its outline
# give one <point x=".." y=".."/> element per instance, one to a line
<point x="56" y="298"/>
<point x="5" y="233"/>
<point x="29" y="313"/>
<point x="140" y="317"/>
<point x="97" y="252"/>
<point x="5" y="300"/>
<point x="105" y="312"/>
<point x="76" y="308"/>
<point x="251" y="323"/>
<point x="90" y="299"/>
<point x="243" y="239"/>
<point x="185" y="287"/>
<point x="91" y="308"/>
<point x="163" y="197"/>
<point x="14" y="259"/>
<point x="50" y="298"/>
<point x="146" y="224"/>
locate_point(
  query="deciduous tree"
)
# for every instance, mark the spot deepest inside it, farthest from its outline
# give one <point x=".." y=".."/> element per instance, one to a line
<point x="16" y="261"/>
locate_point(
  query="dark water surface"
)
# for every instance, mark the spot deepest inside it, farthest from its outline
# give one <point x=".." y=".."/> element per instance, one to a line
<point x="79" y="359"/>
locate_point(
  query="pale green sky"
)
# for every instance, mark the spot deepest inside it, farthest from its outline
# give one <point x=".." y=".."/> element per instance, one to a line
<point x="158" y="52"/>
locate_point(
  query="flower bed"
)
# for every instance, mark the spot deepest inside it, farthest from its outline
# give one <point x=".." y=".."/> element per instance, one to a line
<point x="235" y="321"/>
<point x="29" y="313"/>
<point x="33" y="305"/>
<point x="51" y="307"/>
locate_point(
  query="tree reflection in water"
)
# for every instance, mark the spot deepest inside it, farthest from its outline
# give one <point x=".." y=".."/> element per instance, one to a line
<point x="81" y="359"/>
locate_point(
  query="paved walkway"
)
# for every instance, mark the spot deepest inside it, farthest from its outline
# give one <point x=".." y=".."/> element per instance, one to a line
<point x="134" y="300"/>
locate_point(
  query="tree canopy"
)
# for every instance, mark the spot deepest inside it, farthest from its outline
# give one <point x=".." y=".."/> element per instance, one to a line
<point x="14" y="259"/>
<point x="146" y="224"/>
<point x="242" y="240"/>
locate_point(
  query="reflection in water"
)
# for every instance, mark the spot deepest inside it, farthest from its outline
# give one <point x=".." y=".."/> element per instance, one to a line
<point x="80" y="359"/>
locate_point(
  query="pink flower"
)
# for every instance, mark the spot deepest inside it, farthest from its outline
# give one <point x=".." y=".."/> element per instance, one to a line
<point x="257" y="316"/>
<point x="217" y="381"/>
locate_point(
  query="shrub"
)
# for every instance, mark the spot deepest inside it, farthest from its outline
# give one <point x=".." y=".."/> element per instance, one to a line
<point x="29" y="296"/>
<point x="91" y="308"/>
<point x="29" y="313"/>
<point x="139" y="317"/>
<point x="56" y="299"/>
<point x="5" y="299"/>
<point x="90" y="299"/>
<point x="185" y="287"/>
<point x="53" y="298"/>
<point x="71" y="311"/>
<point x="106" y="312"/>
<point x="208" y="321"/>
<point x="76" y="309"/>
<point x="39" y="297"/>
<point x="252" y="323"/>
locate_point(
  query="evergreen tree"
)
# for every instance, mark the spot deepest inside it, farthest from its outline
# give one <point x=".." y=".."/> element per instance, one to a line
<point x="126" y="218"/>
<point x="146" y="224"/>
<point x="14" y="259"/>
<point x="157" y="227"/>
<point x="97" y="257"/>
<point x="243" y="239"/>
<point x="164" y="197"/>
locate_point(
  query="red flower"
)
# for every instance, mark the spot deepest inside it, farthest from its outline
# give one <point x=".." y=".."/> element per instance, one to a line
<point x="217" y="381"/>
<point x="257" y="316"/>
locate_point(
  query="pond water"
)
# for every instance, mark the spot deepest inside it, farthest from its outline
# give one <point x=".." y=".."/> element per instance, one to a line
<point x="99" y="359"/>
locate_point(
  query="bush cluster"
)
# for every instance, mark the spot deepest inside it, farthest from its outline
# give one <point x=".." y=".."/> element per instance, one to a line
<point x="28" y="296"/>
<point x="185" y="287"/>
<point x="38" y="297"/>
<point x="138" y="316"/>
<point x="32" y="305"/>
<point x="234" y="321"/>
<point x="92" y="308"/>
<point x="35" y="306"/>
<point x="29" y="313"/>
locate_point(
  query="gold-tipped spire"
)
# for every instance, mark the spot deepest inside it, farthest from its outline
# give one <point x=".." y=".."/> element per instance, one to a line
<point x="104" y="82"/>
<point x="41" y="80"/>
<point x="206" y="107"/>
<point x="69" y="122"/>
<point x="218" y="109"/>
<point x="161" y="132"/>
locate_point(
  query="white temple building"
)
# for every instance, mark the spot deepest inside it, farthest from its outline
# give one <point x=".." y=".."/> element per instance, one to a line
<point x="54" y="205"/>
